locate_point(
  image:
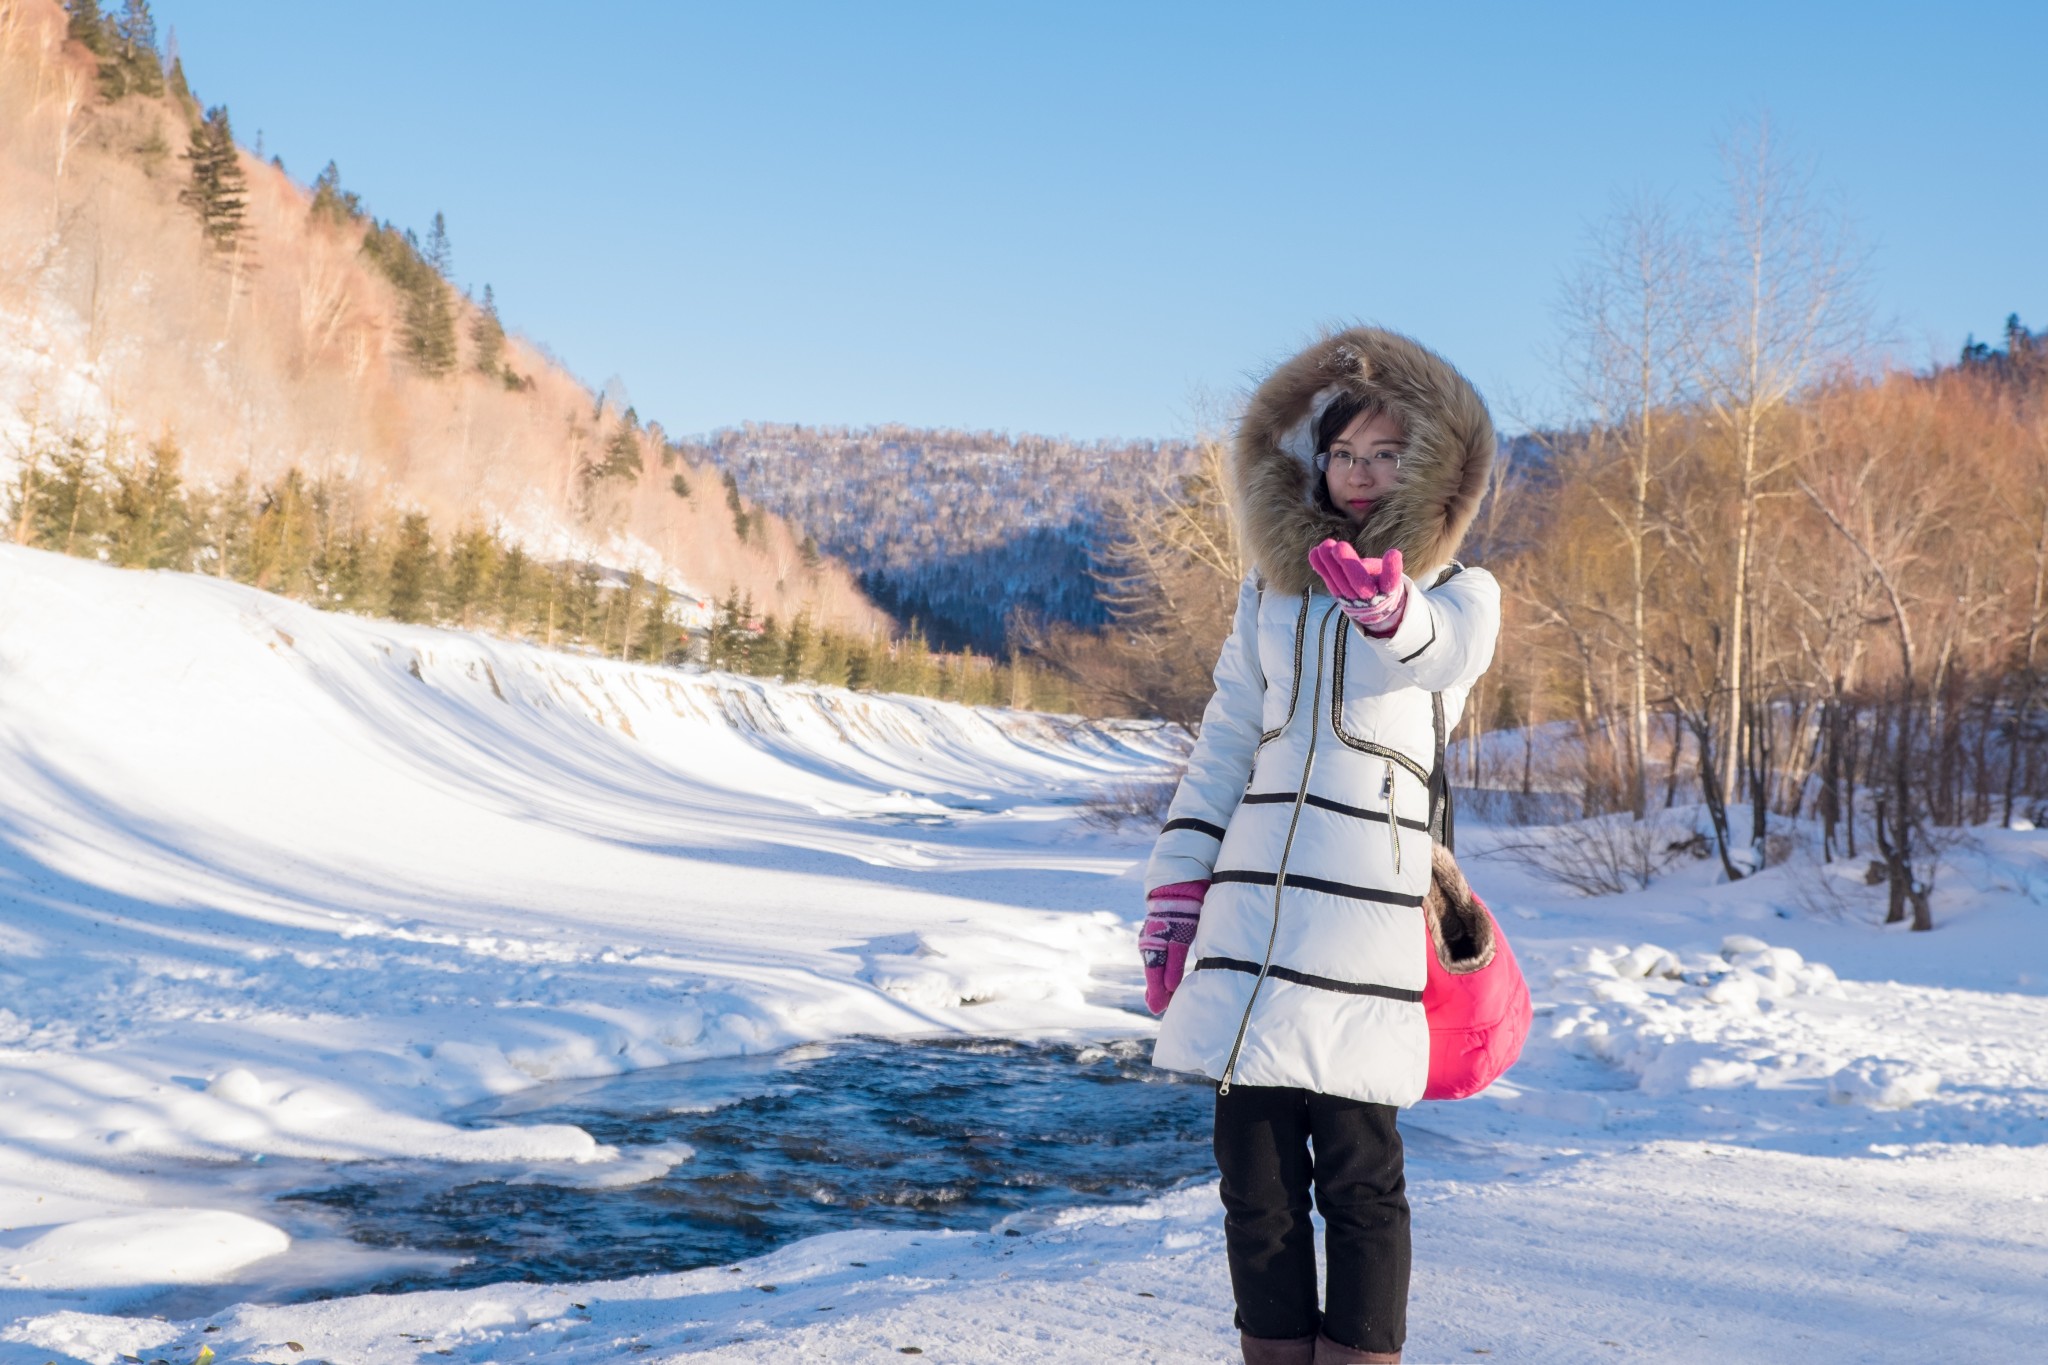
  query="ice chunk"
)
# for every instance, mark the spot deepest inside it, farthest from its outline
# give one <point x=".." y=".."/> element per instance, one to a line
<point x="1742" y="943"/>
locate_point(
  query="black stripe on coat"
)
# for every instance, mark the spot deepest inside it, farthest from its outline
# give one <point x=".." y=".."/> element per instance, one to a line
<point x="1199" y="826"/>
<point x="1324" y="983"/>
<point x="1425" y="644"/>
<point x="1345" y="889"/>
<point x="1325" y="803"/>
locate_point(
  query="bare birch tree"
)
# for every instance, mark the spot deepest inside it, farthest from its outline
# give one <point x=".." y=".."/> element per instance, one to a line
<point x="1786" y="299"/>
<point x="1868" y="477"/>
<point x="1631" y="317"/>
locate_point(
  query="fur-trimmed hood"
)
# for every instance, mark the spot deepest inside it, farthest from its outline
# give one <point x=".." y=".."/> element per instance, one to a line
<point x="1449" y="450"/>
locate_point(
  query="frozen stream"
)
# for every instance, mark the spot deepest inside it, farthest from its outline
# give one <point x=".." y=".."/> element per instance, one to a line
<point x="957" y="1133"/>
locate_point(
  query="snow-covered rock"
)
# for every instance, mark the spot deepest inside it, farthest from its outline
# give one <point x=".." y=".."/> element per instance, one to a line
<point x="1881" y="1083"/>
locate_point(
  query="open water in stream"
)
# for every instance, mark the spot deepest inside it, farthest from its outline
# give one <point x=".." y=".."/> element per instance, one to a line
<point x="953" y="1133"/>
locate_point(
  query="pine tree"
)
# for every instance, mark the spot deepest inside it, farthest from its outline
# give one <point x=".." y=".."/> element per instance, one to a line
<point x="72" y="506"/>
<point x="796" y="648"/>
<point x="216" y="191"/>
<point x="487" y="336"/>
<point x="353" y="573"/>
<point x="621" y="455"/>
<point x="429" y="318"/>
<point x="224" y="529"/>
<point x="723" y="648"/>
<point x="764" y="655"/>
<point x="414" y="566"/>
<point x="860" y="664"/>
<point x="283" y="541"/>
<point x="830" y="665"/>
<point x="747" y="635"/>
<point x="679" y="485"/>
<point x="89" y="27"/>
<point x="582" y="600"/>
<point x="133" y="66"/>
<point x="741" y="522"/>
<point x="439" y="254"/>
<point x="429" y="307"/>
<point x="658" y="640"/>
<point x="331" y="201"/>
<point x="514" y="589"/>
<point x="181" y="90"/>
<point x="625" y="610"/>
<point x="472" y="565"/>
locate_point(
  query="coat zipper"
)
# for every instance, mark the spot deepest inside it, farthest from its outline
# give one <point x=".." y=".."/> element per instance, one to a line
<point x="1287" y="848"/>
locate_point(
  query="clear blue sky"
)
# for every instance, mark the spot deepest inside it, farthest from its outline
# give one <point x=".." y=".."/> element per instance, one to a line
<point x="1092" y="219"/>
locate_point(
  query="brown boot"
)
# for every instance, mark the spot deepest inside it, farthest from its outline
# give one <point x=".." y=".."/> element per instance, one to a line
<point x="1277" y="1350"/>
<point x="1329" y="1352"/>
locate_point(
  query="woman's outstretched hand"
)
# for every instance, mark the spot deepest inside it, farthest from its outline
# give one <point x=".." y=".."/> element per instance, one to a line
<point x="1372" y="592"/>
<point x="1171" y="914"/>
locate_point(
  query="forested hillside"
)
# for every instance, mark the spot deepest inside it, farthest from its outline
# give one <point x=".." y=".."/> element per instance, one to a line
<point x="955" y="529"/>
<point x="209" y="361"/>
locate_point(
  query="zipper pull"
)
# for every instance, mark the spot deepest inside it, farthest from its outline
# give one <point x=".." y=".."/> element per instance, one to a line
<point x="1393" y="821"/>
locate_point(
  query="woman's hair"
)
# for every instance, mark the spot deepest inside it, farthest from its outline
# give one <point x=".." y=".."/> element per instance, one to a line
<point x="1342" y="412"/>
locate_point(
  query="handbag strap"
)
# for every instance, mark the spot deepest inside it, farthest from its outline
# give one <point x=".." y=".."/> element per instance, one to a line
<point x="1442" y="826"/>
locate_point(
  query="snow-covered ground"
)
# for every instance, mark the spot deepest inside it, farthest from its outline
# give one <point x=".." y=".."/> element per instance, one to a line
<point x="276" y="885"/>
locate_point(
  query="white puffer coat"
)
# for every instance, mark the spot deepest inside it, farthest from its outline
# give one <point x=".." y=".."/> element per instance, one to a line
<point x="1306" y="804"/>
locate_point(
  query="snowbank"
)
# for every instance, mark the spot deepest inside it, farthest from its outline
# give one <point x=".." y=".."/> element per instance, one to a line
<point x="277" y="883"/>
<point x="282" y="885"/>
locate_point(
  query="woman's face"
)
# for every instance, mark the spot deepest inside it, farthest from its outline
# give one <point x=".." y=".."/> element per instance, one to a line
<point x="1364" y="463"/>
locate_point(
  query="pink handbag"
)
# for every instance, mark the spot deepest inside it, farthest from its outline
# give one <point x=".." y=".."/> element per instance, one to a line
<point x="1475" y="997"/>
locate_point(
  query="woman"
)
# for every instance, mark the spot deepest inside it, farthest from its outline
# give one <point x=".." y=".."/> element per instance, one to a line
<point x="1285" y="941"/>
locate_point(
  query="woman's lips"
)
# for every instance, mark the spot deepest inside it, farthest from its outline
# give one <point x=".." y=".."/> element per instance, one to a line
<point x="1359" y="502"/>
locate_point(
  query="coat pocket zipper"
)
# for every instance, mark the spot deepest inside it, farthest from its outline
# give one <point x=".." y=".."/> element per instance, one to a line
<point x="1393" y="818"/>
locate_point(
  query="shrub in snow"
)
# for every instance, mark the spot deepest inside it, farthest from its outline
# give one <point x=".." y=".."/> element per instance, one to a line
<point x="1133" y="804"/>
<point x="1600" y="857"/>
<point x="1879" y="1083"/>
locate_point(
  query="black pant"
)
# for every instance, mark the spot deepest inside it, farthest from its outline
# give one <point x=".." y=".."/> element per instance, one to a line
<point x="1263" y="1140"/>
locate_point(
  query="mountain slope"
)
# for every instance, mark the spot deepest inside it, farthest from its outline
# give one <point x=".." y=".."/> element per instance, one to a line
<point x="123" y="325"/>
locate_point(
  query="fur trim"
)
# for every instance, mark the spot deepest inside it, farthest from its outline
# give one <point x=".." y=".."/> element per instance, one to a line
<point x="1459" y="928"/>
<point x="1443" y="474"/>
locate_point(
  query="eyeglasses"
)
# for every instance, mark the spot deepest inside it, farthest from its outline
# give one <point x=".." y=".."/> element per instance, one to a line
<point x="1379" y="459"/>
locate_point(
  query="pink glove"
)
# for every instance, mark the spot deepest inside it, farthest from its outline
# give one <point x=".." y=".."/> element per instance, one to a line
<point x="1371" y="592"/>
<point x="1171" y="913"/>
